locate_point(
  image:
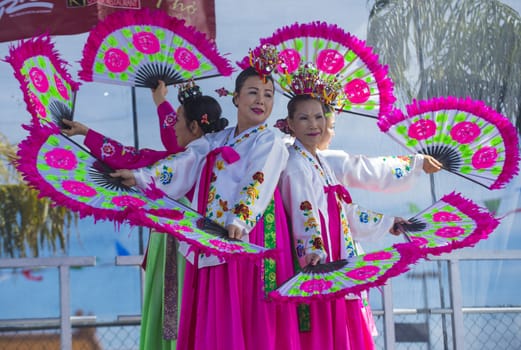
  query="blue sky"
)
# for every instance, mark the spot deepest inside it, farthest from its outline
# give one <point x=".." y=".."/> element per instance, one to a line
<point x="108" y="291"/>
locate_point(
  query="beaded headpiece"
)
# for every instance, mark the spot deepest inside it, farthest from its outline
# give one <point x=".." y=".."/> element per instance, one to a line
<point x="265" y="60"/>
<point x="306" y="80"/>
<point x="188" y="91"/>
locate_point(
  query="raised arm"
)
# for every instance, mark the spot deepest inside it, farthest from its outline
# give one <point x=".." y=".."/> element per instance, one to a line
<point x="380" y="174"/>
<point x="167" y="118"/>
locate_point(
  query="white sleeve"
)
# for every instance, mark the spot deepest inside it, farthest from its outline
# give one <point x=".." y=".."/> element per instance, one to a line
<point x="379" y="174"/>
<point x="301" y="207"/>
<point x="176" y="174"/>
<point x="265" y="162"/>
<point x="367" y="225"/>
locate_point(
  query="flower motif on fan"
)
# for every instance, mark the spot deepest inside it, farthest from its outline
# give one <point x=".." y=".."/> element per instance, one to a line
<point x="289" y="60"/>
<point x="225" y="246"/>
<point x="39" y="79"/>
<point x="180" y="228"/>
<point x="61" y="158"/>
<point x="419" y="241"/>
<point x="314" y="286"/>
<point x="38" y="106"/>
<point x="146" y="42"/>
<point x="126" y="201"/>
<point x="116" y="60"/>
<point x="62" y="89"/>
<point x="186" y="59"/>
<point x="78" y="188"/>
<point x="330" y="61"/>
<point x="445" y="216"/>
<point x="363" y="273"/>
<point x="465" y="132"/>
<point x="381" y="255"/>
<point x="422" y="129"/>
<point x="449" y="232"/>
<point x="357" y="91"/>
<point x="484" y="158"/>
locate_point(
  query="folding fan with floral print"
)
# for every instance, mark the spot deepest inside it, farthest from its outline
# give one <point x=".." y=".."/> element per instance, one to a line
<point x="353" y="275"/>
<point x="202" y="234"/>
<point x="68" y="174"/>
<point x="140" y="47"/>
<point x="48" y="89"/>
<point x="469" y="138"/>
<point x="451" y="223"/>
<point x="338" y="56"/>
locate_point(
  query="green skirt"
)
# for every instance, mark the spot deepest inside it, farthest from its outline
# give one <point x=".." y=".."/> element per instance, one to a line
<point x="160" y="247"/>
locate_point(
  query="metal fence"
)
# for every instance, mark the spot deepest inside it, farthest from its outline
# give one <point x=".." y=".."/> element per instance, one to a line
<point x="451" y="327"/>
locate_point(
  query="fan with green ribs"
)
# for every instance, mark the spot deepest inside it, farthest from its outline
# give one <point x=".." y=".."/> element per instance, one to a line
<point x="140" y="47"/>
<point x="469" y="138"/>
<point x="338" y="56"/>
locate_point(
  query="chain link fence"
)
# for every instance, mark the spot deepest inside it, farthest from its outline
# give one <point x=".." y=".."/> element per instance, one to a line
<point x="494" y="329"/>
<point x="491" y="328"/>
<point x="100" y="336"/>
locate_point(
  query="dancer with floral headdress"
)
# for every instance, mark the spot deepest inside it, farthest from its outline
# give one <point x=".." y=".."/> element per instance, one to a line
<point x="197" y="115"/>
<point x="224" y="304"/>
<point x="324" y="221"/>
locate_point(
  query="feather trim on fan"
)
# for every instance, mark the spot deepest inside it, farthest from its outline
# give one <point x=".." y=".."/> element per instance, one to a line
<point x="140" y="47"/>
<point x="453" y="217"/>
<point x="31" y="59"/>
<point x="337" y="55"/>
<point x="338" y="278"/>
<point x="62" y="170"/>
<point x="202" y="233"/>
<point x="469" y="138"/>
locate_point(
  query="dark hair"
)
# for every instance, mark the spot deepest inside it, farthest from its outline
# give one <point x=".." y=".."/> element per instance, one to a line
<point x="292" y="104"/>
<point x="196" y="108"/>
<point x="245" y="74"/>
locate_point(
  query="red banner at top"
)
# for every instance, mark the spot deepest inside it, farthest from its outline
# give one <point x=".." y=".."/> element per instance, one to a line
<point x="21" y="19"/>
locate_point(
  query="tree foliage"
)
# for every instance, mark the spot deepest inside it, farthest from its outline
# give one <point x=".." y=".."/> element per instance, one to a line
<point x="463" y="48"/>
<point x="28" y="224"/>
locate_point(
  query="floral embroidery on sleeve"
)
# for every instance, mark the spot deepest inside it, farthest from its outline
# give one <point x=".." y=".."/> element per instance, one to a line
<point x="223" y="207"/>
<point x="401" y="165"/>
<point x="242" y="209"/>
<point x="243" y="212"/>
<point x="346" y="232"/>
<point x="366" y="217"/>
<point x="299" y="245"/>
<point x="170" y="120"/>
<point x="314" y="243"/>
<point x="311" y="223"/>
<point x="318" y="244"/>
<point x="165" y="175"/>
<point x="107" y="149"/>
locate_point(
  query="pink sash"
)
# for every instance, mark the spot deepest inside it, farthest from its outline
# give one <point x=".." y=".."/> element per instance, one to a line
<point x="335" y="227"/>
<point x="230" y="156"/>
